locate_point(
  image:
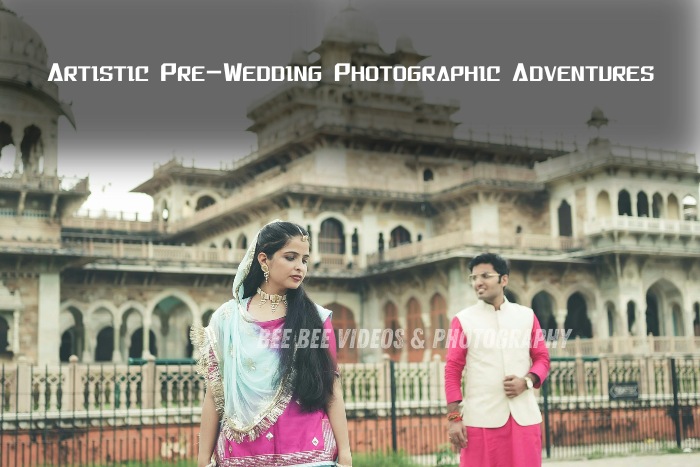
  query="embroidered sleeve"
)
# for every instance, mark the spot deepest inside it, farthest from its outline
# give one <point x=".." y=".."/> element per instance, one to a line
<point x="204" y="341"/>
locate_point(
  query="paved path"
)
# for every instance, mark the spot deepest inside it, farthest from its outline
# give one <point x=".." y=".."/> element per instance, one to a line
<point x="663" y="460"/>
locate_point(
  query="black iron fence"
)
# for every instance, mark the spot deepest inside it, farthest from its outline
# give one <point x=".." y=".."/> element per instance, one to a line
<point x="148" y="412"/>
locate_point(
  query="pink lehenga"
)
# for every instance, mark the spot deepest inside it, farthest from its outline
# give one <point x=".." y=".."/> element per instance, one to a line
<point x="261" y="424"/>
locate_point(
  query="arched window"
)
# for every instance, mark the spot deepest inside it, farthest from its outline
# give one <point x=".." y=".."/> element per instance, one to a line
<point x="690" y="208"/>
<point x="4" y="336"/>
<point x="399" y="236"/>
<point x="577" y="317"/>
<point x="564" y="212"/>
<point x="603" y="205"/>
<point x="673" y="208"/>
<point x="631" y="317"/>
<point x="227" y="244"/>
<point x="331" y="239"/>
<point x="624" y="203"/>
<point x="242" y="242"/>
<point x="657" y="206"/>
<point x="677" y="315"/>
<point x="428" y="175"/>
<point x="204" y="202"/>
<point x="391" y="329"/>
<point x="67" y="345"/>
<point x="696" y="319"/>
<point x="31" y="149"/>
<point x="642" y="204"/>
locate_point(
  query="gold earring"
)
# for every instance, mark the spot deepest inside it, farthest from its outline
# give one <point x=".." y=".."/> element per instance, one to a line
<point x="266" y="272"/>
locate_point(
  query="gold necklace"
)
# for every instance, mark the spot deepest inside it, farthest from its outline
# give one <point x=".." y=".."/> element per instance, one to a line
<point x="275" y="300"/>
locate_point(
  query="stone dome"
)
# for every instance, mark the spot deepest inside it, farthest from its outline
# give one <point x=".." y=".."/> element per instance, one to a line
<point x="19" y="43"/>
<point x="23" y="61"/>
<point x="351" y="27"/>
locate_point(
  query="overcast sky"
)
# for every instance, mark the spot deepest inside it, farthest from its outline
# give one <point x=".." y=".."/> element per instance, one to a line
<point x="124" y="128"/>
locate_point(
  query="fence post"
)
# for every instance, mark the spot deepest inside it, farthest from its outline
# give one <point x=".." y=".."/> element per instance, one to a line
<point x="604" y="375"/>
<point x="392" y="381"/>
<point x="580" y="374"/>
<point x="545" y="407"/>
<point x="24" y="385"/>
<point x="148" y="383"/>
<point x="676" y="408"/>
<point x="72" y="386"/>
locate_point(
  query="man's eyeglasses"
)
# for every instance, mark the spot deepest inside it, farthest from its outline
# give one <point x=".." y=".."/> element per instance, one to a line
<point x="483" y="276"/>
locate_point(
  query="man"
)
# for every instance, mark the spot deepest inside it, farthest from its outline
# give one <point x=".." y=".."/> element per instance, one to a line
<point x="498" y="424"/>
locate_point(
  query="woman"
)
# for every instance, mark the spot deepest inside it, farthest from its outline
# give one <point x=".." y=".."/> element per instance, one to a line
<point x="273" y="395"/>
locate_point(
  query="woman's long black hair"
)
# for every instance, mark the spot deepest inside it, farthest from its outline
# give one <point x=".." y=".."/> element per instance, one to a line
<point x="313" y="368"/>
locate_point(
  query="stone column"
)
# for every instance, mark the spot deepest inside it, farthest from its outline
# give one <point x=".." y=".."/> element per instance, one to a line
<point x="48" y="338"/>
<point x="116" y="353"/>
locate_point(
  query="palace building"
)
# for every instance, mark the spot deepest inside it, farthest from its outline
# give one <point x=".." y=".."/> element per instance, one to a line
<point x="603" y="239"/>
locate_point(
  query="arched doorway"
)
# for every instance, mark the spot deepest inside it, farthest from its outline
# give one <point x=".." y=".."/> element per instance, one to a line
<point x="661" y="297"/>
<point x="171" y="318"/>
<point x="414" y="322"/>
<point x="652" y="314"/>
<point x="543" y="306"/>
<point x="105" y="345"/>
<point x="344" y="325"/>
<point x="136" y="345"/>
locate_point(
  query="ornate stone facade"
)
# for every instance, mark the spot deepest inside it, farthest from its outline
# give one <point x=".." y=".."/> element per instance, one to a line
<point x="603" y="240"/>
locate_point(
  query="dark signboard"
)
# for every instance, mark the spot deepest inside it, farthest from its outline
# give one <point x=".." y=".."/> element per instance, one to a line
<point x="629" y="391"/>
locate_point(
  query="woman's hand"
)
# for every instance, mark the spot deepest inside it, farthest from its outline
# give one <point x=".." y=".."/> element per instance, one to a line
<point x="344" y="459"/>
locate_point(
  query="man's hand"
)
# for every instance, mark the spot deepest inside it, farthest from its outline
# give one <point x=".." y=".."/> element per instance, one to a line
<point x="514" y="385"/>
<point x="458" y="434"/>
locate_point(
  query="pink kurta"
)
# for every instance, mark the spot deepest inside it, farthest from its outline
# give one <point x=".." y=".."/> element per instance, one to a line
<point x="297" y="438"/>
<point x="511" y="445"/>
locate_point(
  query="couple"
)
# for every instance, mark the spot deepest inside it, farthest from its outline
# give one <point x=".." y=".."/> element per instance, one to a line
<point x="282" y="405"/>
